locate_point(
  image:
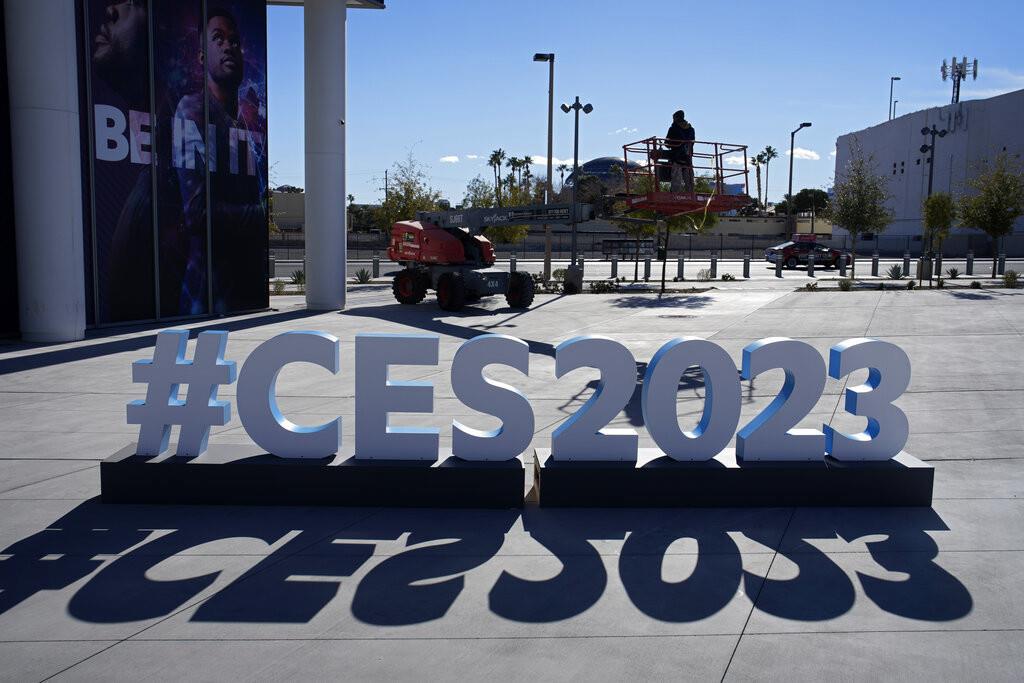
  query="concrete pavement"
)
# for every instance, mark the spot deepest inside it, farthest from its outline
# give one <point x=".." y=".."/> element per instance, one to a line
<point x="92" y="591"/>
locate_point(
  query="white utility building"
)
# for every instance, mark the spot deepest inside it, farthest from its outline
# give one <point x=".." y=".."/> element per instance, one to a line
<point x="977" y="130"/>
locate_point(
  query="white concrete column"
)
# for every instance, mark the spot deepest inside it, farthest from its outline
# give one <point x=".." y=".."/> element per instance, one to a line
<point x="43" y="74"/>
<point x="326" y="231"/>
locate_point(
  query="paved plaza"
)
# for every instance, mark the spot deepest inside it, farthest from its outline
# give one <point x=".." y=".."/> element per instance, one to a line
<point x="94" y="591"/>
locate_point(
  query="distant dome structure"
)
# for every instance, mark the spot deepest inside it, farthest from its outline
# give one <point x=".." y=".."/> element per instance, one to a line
<point x="602" y="168"/>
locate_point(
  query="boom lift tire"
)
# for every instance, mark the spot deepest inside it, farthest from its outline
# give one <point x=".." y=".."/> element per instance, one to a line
<point x="408" y="287"/>
<point x="451" y="291"/>
<point x="520" y="290"/>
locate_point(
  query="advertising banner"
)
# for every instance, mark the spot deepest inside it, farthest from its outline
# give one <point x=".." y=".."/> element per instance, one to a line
<point x="179" y="83"/>
<point x="122" y="180"/>
<point x="236" y="83"/>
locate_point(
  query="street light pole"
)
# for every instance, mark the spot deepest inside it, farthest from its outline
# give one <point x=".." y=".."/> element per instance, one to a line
<point x="548" y="57"/>
<point x="892" y="79"/>
<point x="576" y="107"/>
<point x="926" y="148"/>
<point x="792" y="148"/>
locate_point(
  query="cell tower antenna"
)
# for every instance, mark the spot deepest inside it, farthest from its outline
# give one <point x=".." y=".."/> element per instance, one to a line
<point x="957" y="71"/>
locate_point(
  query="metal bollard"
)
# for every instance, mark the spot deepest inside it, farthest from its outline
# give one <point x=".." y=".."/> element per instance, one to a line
<point x="376" y="266"/>
<point x="615" y="267"/>
<point x="920" y="269"/>
<point x="970" y="263"/>
<point x="680" y="262"/>
<point x="778" y="266"/>
<point x="580" y="262"/>
<point x="1002" y="264"/>
<point x="938" y="266"/>
<point x="874" y="264"/>
<point x="746" y="265"/>
<point x="906" y="264"/>
<point x="647" y="269"/>
<point x="810" y="265"/>
<point x="714" y="266"/>
<point x="272" y="267"/>
<point x="512" y="263"/>
<point x="842" y="265"/>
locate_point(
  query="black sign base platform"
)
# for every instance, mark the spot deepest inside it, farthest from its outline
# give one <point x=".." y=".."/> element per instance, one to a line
<point x="658" y="481"/>
<point x="244" y="475"/>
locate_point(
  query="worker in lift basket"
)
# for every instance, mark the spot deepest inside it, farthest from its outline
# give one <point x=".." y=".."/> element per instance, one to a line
<point x="679" y="140"/>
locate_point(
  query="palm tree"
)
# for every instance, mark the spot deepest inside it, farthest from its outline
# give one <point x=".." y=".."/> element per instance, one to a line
<point x="495" y="161"/>
<point x="756" y="163"/>
<point x="769" y="153"/>
<point x="562" y="168"/>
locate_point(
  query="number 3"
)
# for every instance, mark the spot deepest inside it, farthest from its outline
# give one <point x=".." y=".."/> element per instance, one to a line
<point x="888" y="377"/>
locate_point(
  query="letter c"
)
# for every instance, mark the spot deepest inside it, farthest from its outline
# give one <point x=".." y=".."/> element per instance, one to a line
<point x="257" y="395"/>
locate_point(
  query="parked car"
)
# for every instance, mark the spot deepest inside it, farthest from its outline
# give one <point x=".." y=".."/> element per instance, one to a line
<point x="796" y="253"/>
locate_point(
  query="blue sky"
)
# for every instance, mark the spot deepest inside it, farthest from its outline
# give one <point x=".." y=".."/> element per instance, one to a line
<point x="455" y="78"/>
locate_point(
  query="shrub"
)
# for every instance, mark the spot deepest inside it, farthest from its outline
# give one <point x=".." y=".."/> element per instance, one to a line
<point x="603" y="287"/>
<point x="975" y="284"/>
<point x="728" y="277"/>
<point x="1010" y="279"/>
<point x="910" y="284"/>
<point x="940" y="283"/>
<point x="881" y="286"/>
<point x="953" y="273"/>
<point x="895" y="272"/>
<point x="704" y="274"/>
<point x="811" y="286"/>
<point x="363" y="276"/>
<point x="298" y="277"/>
<point x="846" y="284"/>
<point x="277" y="287"/>
<point x="559" y="274"/>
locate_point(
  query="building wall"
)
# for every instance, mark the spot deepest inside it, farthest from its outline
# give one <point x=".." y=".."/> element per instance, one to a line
<point x="8" y="257"/>
<point x="978" y="130"/>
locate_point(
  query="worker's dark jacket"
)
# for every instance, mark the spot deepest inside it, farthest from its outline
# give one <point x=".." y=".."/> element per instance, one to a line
<point x="679" y="153"/>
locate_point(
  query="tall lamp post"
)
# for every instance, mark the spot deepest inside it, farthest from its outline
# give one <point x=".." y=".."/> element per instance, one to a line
<point x="548" y="57"/>
<point x="892" y="79"/>
<point x="792" y="148"/>
<point x="575" y="107"/>
<point x="929" y="148"/>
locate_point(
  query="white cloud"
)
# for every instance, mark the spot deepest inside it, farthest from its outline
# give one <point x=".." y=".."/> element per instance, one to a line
<point x="734" y="160"/>
<point x="451" y="159"/>
<point x="472" y="156"/>
<point x="624" y="129"/>
<point x="832" y="154"/>
<point x="801" y="153"/>
<point x="541" y="160"/>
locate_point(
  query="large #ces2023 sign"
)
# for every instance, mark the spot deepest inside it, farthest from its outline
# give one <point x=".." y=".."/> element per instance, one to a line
<point x="584" y="436"/>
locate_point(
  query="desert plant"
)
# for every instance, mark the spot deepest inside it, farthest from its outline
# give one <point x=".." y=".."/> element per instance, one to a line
<point x="603" y="287"/>
<point x="811" y="286"/>
<point x="895" y="272"/>
<point x="363" y="276"/>
<point x="277" y="287"/>
<point x="975" y="284"/>
<point x="1010" y="279"/>
<point x="881" y="286"/>
<point x="298" y="277"/>
<point x="846" y="284"/>
<point x="704" y="274"/>
<point x="953" y="273"/>
<point x="559" y="274"/>
<point x="910" y="284"/>
<point x="940" y="283"/>
<point x="728" y="277"/>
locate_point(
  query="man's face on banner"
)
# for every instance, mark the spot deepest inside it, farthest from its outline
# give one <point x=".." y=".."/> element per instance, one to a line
<point x="121" y="39"/>
<point x="224" y="51"/>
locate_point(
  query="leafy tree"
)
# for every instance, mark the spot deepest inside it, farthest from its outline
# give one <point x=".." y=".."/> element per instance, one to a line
<point x="757" y="162"/>
<point x="479" y="194"/>
<point x="995" y="201"/>
<point x="288" y="189"/>
<point x="858" y="201"/>
<point x="495" y="161"/>
<point x="767" y="155"/>
<point x="561" y="168"/>
<point x="409" y="192"/>
<point x="939" y="212"/>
